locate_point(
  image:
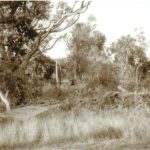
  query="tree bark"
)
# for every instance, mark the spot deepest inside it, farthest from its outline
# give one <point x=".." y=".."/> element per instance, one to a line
<point x="5" y="100"/>
<point x="56" y="73"/>
<point x="138" y="76"/>
<point x="30" y="55"/>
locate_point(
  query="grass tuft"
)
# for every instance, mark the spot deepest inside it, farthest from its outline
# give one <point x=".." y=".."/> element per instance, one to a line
<point x="81" y="125"/>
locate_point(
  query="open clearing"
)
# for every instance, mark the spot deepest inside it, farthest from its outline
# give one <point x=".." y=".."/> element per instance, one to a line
<point x="23" y="113"/>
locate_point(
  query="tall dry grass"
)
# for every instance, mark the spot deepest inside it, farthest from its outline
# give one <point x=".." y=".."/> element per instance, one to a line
<point x="82" y="125"/>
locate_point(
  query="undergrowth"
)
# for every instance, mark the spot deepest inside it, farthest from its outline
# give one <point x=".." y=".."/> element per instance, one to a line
<point x="77" y="125"/>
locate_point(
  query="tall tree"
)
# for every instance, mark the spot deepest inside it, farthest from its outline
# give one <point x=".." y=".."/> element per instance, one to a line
<point x="128" y="53"/>
<point x="129" y="56"/>
<point x="85" y="40"/>
<point x="23" y="34"/>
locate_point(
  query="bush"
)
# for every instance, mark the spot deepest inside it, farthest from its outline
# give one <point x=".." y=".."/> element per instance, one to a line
<point x="146" y="83"/>
<point x="18" y="88"/>
<point x="129" y="84"/>
<point x="107" y="78"/>
<point x="21" y="88"/>
<point x="55" y="92"/>
<point x="110" y="99"/>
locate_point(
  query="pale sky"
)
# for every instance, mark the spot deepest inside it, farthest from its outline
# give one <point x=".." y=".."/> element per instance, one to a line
<point x="114" y="18"/>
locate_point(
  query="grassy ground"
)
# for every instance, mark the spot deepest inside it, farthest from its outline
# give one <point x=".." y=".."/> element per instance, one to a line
<point x="59" y="127"/>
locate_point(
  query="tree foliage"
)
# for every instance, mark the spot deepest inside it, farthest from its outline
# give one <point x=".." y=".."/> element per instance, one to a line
<point x="23" y="34"/>
<point x="128" y="53"/>
<point x="85" y="43"/>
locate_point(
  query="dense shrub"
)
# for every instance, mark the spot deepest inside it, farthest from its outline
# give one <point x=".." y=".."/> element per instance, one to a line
<point x="18" y="88"/>
<point x="107" y="78"/>
<point x="21" y="88"/>
<point x="129" y="84"/>
<point x="145" y="83"/>
<point x="55" y="92"/>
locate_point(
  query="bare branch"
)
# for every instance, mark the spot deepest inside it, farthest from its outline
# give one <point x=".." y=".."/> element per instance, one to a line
<point x="52" y="44"/>
<point x="57" y="26"/>
<point x="30" y="54"/>
<point x="45" y="28"/>
<point x="49" y="48"/>
<point x="74" y="5"/>
<point x="68" y="25"/>
<point x="79" y="11"/>
<point x="73" y="17"/>
<point x="33" y="26"/>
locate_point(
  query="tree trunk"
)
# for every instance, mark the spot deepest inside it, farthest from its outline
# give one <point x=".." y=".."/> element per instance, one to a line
<point x="5" y="100"/>
<point x="30" y="55"/>
<point x="56" y="73"/>
<point x="26" y="60"/>
<point x="75" y="73"/>
<point x="138" y="76"/>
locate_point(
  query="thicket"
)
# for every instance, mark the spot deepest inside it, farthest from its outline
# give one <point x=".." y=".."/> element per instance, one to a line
<point x="23" y="39"/>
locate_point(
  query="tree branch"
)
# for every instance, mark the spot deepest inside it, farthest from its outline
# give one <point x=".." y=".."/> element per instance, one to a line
<point x="45" y="28"/>
<point x="36" y="22"/>
<point x="68" y="25"/>
<point x="57" y="26"/>
<point x="46" y="49"/>
<point x="30" y="55"/>
<point x="69" y="18"/>
<point x="79" y="11"/>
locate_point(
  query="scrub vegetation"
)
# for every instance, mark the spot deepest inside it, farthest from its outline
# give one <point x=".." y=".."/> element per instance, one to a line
<point x="97" y="93"/>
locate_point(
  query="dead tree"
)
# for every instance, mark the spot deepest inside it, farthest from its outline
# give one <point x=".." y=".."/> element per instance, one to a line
<point x="5" y="100"/>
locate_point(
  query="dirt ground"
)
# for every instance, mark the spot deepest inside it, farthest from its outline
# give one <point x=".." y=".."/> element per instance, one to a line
<point x="23" y="113"/>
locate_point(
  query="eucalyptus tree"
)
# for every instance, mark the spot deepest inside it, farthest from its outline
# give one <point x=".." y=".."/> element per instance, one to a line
<point x="85" y="44"/>
<point x="128" y="54"/>
<point x="28" y="28"/>
<point x="129" y="57"/>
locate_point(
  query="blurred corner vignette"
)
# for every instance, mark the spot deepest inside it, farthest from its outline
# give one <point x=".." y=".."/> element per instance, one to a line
<point x="75" y="75"/>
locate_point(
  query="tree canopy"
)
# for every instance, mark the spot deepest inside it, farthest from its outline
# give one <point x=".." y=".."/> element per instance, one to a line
<point x="85" y="44"/>
<point x="24" y="35"/>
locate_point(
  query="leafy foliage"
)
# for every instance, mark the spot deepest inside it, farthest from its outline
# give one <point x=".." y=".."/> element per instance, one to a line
<point x="84" y="39"/>
<point x="107" y="78"/>
<point x="23" y="38"/>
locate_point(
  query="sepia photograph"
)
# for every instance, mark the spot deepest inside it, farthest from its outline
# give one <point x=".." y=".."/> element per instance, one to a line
<point x="75" y="75"/>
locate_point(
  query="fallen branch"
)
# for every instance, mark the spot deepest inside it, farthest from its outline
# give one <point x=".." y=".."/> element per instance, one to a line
<point x="4" y="99"/>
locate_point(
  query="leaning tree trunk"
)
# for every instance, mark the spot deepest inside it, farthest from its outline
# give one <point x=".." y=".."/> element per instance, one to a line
<point x="29" y="55"/>
<point x="5" y="100"/>
<point x="26" y="60"/>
